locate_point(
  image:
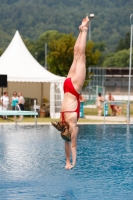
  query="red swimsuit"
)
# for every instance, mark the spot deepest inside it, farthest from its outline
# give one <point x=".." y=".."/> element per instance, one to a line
<point x="68" y="87"/>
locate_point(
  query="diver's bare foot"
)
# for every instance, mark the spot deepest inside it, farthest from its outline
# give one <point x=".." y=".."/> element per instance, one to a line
<point x="85" y="24"/>
<point x="69" y="166"/>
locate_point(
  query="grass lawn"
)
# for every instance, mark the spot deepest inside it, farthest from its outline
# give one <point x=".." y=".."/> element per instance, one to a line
<point x="93" y="111"/>
<point x="43" y="120"/>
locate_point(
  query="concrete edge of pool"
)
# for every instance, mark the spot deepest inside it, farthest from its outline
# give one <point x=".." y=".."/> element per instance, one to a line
<point x="48" y="123"/>
<point x="93" y="120"/>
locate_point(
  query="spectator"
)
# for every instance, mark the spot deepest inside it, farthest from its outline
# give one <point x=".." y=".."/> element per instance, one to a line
<point x="100" y="99"/>
<point x="112" y="105"/>
<point x="21" y="102"/>
<point x="81" y="98"/>
<point x="119" y="110"/>
<point x="4" y="100"/>
<point x="14" y="100"/>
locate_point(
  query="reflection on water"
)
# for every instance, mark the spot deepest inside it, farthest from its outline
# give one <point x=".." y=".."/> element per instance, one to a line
<point x="32" y="163"/>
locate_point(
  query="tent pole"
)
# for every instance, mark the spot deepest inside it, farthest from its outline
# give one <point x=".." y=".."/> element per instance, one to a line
<point x="41" y="92"/>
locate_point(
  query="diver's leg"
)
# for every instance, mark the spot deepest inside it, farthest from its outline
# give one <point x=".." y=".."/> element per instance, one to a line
<point x="67" y="151"/>
<point x="74" y="146"/>
<point x="77" y="46"/>
<point x="80" y="68"/>
<point x="73" y="150"/>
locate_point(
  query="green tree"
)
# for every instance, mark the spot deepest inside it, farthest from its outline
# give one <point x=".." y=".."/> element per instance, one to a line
<point x="60" y="56"/>
<point x="118" y="59"/>
<point x="101" y="46"/>
<point x="1" y="51"/>
<point x="124" y="43"/>
<point x="33" y="17"/>
<point x="46" y="37"/>
<point x="30" y="46"/>
<point x="37" y="48"/>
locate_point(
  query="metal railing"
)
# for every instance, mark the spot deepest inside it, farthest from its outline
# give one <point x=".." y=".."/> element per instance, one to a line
<point x="116" y="103"/>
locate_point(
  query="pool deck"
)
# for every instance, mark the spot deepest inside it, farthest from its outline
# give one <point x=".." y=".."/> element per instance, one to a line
<point x="93" y="120"/>
<point x="109" y="118"/>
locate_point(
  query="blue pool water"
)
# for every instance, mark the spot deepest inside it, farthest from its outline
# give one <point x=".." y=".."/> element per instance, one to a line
<point x="32" y="164"/>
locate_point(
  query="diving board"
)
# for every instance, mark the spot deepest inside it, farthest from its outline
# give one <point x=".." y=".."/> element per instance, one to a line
<point x="18" y="113"/>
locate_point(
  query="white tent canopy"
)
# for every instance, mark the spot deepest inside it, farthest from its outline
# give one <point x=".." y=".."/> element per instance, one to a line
<point x="32" y="79"/>
<point x="20" y="65"/>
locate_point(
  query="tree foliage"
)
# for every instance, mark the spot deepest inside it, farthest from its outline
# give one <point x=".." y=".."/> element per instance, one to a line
<point x="124" y="43"/>
<point x="34" y="17"/>
<point x="1" y="51"/>
<point x="37" y="47"/>
<point x="118" y="59"/>
<point x="60" y="57"/>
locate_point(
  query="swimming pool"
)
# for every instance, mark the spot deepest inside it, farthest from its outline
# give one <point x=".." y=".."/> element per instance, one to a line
<point x="32" y="163"/>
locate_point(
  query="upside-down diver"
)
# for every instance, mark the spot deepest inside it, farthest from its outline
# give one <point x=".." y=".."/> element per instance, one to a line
<point x="72" y="88"/>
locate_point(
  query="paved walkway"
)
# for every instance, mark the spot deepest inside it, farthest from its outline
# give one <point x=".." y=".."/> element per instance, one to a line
<point x="93" y="120"/>
<point x="109" y="118"/>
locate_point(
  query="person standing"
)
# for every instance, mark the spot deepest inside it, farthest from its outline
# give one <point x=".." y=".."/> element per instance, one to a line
<point x="99" y="102"/>
<point x="4" y="100"/>
<point x="14" y="100"/>
<point x="21" y="102"/>
<point x="112" y="105"/>
<point x="71" y="103"/>
<point x="82" y="100"/>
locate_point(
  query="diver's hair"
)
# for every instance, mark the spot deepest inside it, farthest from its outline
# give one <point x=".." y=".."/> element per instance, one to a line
<point x="99" y="94"/>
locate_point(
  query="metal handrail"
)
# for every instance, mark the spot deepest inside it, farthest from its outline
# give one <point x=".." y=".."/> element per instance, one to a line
<point x="130" y="68"/>
<point x="115" y="102"/>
